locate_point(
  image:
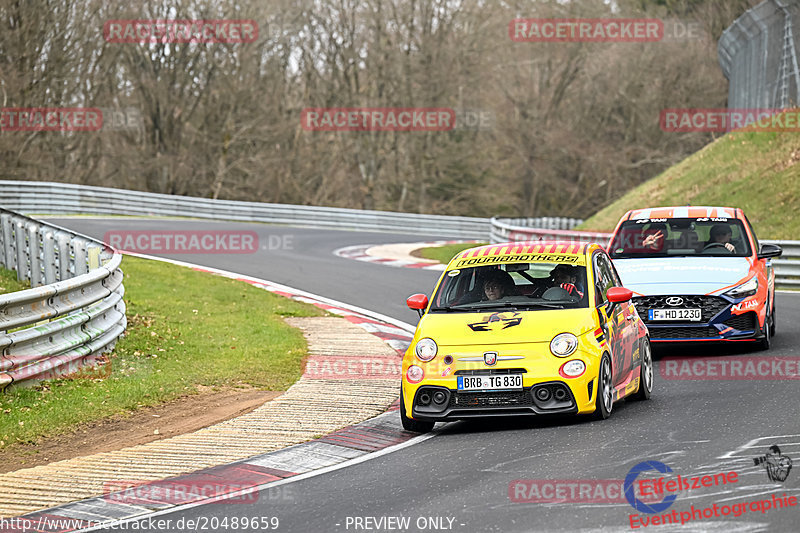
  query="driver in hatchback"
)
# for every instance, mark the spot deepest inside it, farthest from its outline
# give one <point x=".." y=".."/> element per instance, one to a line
<point x="720" y="237"/>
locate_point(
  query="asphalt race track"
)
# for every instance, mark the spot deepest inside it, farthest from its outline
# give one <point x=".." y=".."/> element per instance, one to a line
<point x="460" y="479"/>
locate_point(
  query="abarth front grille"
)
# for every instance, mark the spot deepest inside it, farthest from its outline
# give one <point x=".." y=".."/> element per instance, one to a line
<point x="491" y="399"/>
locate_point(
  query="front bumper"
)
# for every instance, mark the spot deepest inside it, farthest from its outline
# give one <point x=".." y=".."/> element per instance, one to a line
<point x="559" y="399"/>
<point x="718" y="322"/>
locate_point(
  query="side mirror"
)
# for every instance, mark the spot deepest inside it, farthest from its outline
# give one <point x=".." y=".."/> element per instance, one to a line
<point x="617" y="295"/>
<point x="769" y="250"/>
<point x="417" y="302"/>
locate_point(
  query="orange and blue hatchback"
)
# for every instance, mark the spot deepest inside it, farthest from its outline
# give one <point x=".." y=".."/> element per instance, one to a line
<point x="698" y="274"/>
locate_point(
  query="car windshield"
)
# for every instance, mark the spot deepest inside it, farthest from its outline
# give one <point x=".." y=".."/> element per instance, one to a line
<point x="663" y="237"/>
<point x="529" y="286"/>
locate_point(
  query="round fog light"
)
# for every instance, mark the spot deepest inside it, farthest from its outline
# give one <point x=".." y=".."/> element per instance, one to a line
<point x="543" y="394"/>
<point x="560" y="394"/>
<point x="414" y="374"/>
<point x="572" y="369"/>
<point x="424" y="398"/>
<point x="439" y="397"/>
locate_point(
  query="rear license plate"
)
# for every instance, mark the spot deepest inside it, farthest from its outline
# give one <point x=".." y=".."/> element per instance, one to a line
<point x="490" y="383"/>
<point x="692" y="315"/>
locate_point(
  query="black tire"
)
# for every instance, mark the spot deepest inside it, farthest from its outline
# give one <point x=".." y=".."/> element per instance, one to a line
<point x="604" y="403"/>
<point x="409" y="424"/>
<point x="772" y="320"/>
<point x="646" y="373"/>
<point x="766" y="336"/>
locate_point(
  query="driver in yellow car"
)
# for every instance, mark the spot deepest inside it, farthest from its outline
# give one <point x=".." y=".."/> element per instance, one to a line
<point x="497" y="284"/>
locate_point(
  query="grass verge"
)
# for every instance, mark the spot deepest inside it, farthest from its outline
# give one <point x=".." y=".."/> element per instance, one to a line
<point x="9" y="282"/>
<point x="186" y="330"/>
<point x="756" y="171"/>
<point x="445" y="253"/>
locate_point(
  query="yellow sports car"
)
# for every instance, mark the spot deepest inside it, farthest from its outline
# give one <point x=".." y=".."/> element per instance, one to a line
<point x="524" y="329"/>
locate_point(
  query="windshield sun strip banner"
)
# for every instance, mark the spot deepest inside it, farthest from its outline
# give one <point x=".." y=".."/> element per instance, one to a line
<point x="513" y="249"/>
<point x="569" y="259"/>
<point x="683" y="212"/>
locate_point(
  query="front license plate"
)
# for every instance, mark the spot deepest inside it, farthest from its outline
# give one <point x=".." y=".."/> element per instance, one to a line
<point x="490" y="383"/>
<point x="692" y="315"/>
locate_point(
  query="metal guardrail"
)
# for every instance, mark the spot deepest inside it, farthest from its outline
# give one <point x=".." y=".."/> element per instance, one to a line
<point x="787" y="267"/>
<point x="63" y="198"/>
<point x="542" y="228"/>
<point x="72" y="314"/>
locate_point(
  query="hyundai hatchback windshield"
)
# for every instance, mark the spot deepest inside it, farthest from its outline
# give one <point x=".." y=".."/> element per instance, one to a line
<point x="662" y="237"/>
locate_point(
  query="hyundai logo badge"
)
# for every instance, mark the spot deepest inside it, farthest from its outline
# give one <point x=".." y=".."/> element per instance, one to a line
<point x="674" y="300"/>
<point x="490" y="358"/>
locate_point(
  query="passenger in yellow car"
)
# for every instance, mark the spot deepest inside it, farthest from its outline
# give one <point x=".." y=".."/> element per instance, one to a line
<point x="563" y="276"/>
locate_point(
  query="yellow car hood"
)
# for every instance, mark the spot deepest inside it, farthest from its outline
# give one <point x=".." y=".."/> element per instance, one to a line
<point x="495" y="327"/>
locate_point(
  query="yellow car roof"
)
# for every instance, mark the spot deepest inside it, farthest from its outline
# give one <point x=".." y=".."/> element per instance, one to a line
<point x="571" y="253"/>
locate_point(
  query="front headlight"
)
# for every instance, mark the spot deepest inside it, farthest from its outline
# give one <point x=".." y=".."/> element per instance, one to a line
<point x="748" y="288"/>
<point x="563" y="344"/>
<point x="426" y="349"/>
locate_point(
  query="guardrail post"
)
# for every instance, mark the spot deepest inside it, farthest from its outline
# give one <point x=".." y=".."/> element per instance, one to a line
<point x="79" y="253"/>
<point x="49" y="248"/>
<point x="34" y="254"/>
<point x="63" y="255"/>
<point x="21" y="251"/>
<point x="7" y="258"/>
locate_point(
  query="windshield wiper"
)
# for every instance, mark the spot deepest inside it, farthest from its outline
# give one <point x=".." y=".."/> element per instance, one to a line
<point x="545" y="305"/>
<point x="446" y="308"/>
<point x="513" y="306"/>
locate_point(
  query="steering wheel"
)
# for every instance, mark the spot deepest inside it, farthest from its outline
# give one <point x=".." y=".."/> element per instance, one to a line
<point x="715" y="245"/>
<point x="538" y="291"/>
